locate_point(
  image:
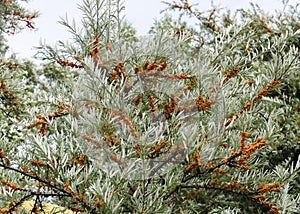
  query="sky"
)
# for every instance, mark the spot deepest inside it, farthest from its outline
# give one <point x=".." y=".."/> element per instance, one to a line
<point x="140" y="13"/>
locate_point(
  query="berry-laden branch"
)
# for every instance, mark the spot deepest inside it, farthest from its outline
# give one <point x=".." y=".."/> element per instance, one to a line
<point x="65" y="191"/>
<point x="12" y="15"/>
<point x="258" y="198"/>
<point x="237" y="159"/>
<point x="69" y="63"/>
<point x="42" y="120"/>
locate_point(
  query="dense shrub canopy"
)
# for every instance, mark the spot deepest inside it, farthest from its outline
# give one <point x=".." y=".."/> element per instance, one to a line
<point x="199" y="118"/>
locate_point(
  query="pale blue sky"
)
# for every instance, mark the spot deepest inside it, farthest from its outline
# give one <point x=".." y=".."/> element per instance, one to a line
<point x="140" y="13"/>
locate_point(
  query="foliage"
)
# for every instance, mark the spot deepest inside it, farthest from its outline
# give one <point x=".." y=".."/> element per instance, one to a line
<point x="189" y="119"/>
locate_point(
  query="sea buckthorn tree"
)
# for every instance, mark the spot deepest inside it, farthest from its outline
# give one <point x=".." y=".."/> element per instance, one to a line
<point x="192" y="118"/>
